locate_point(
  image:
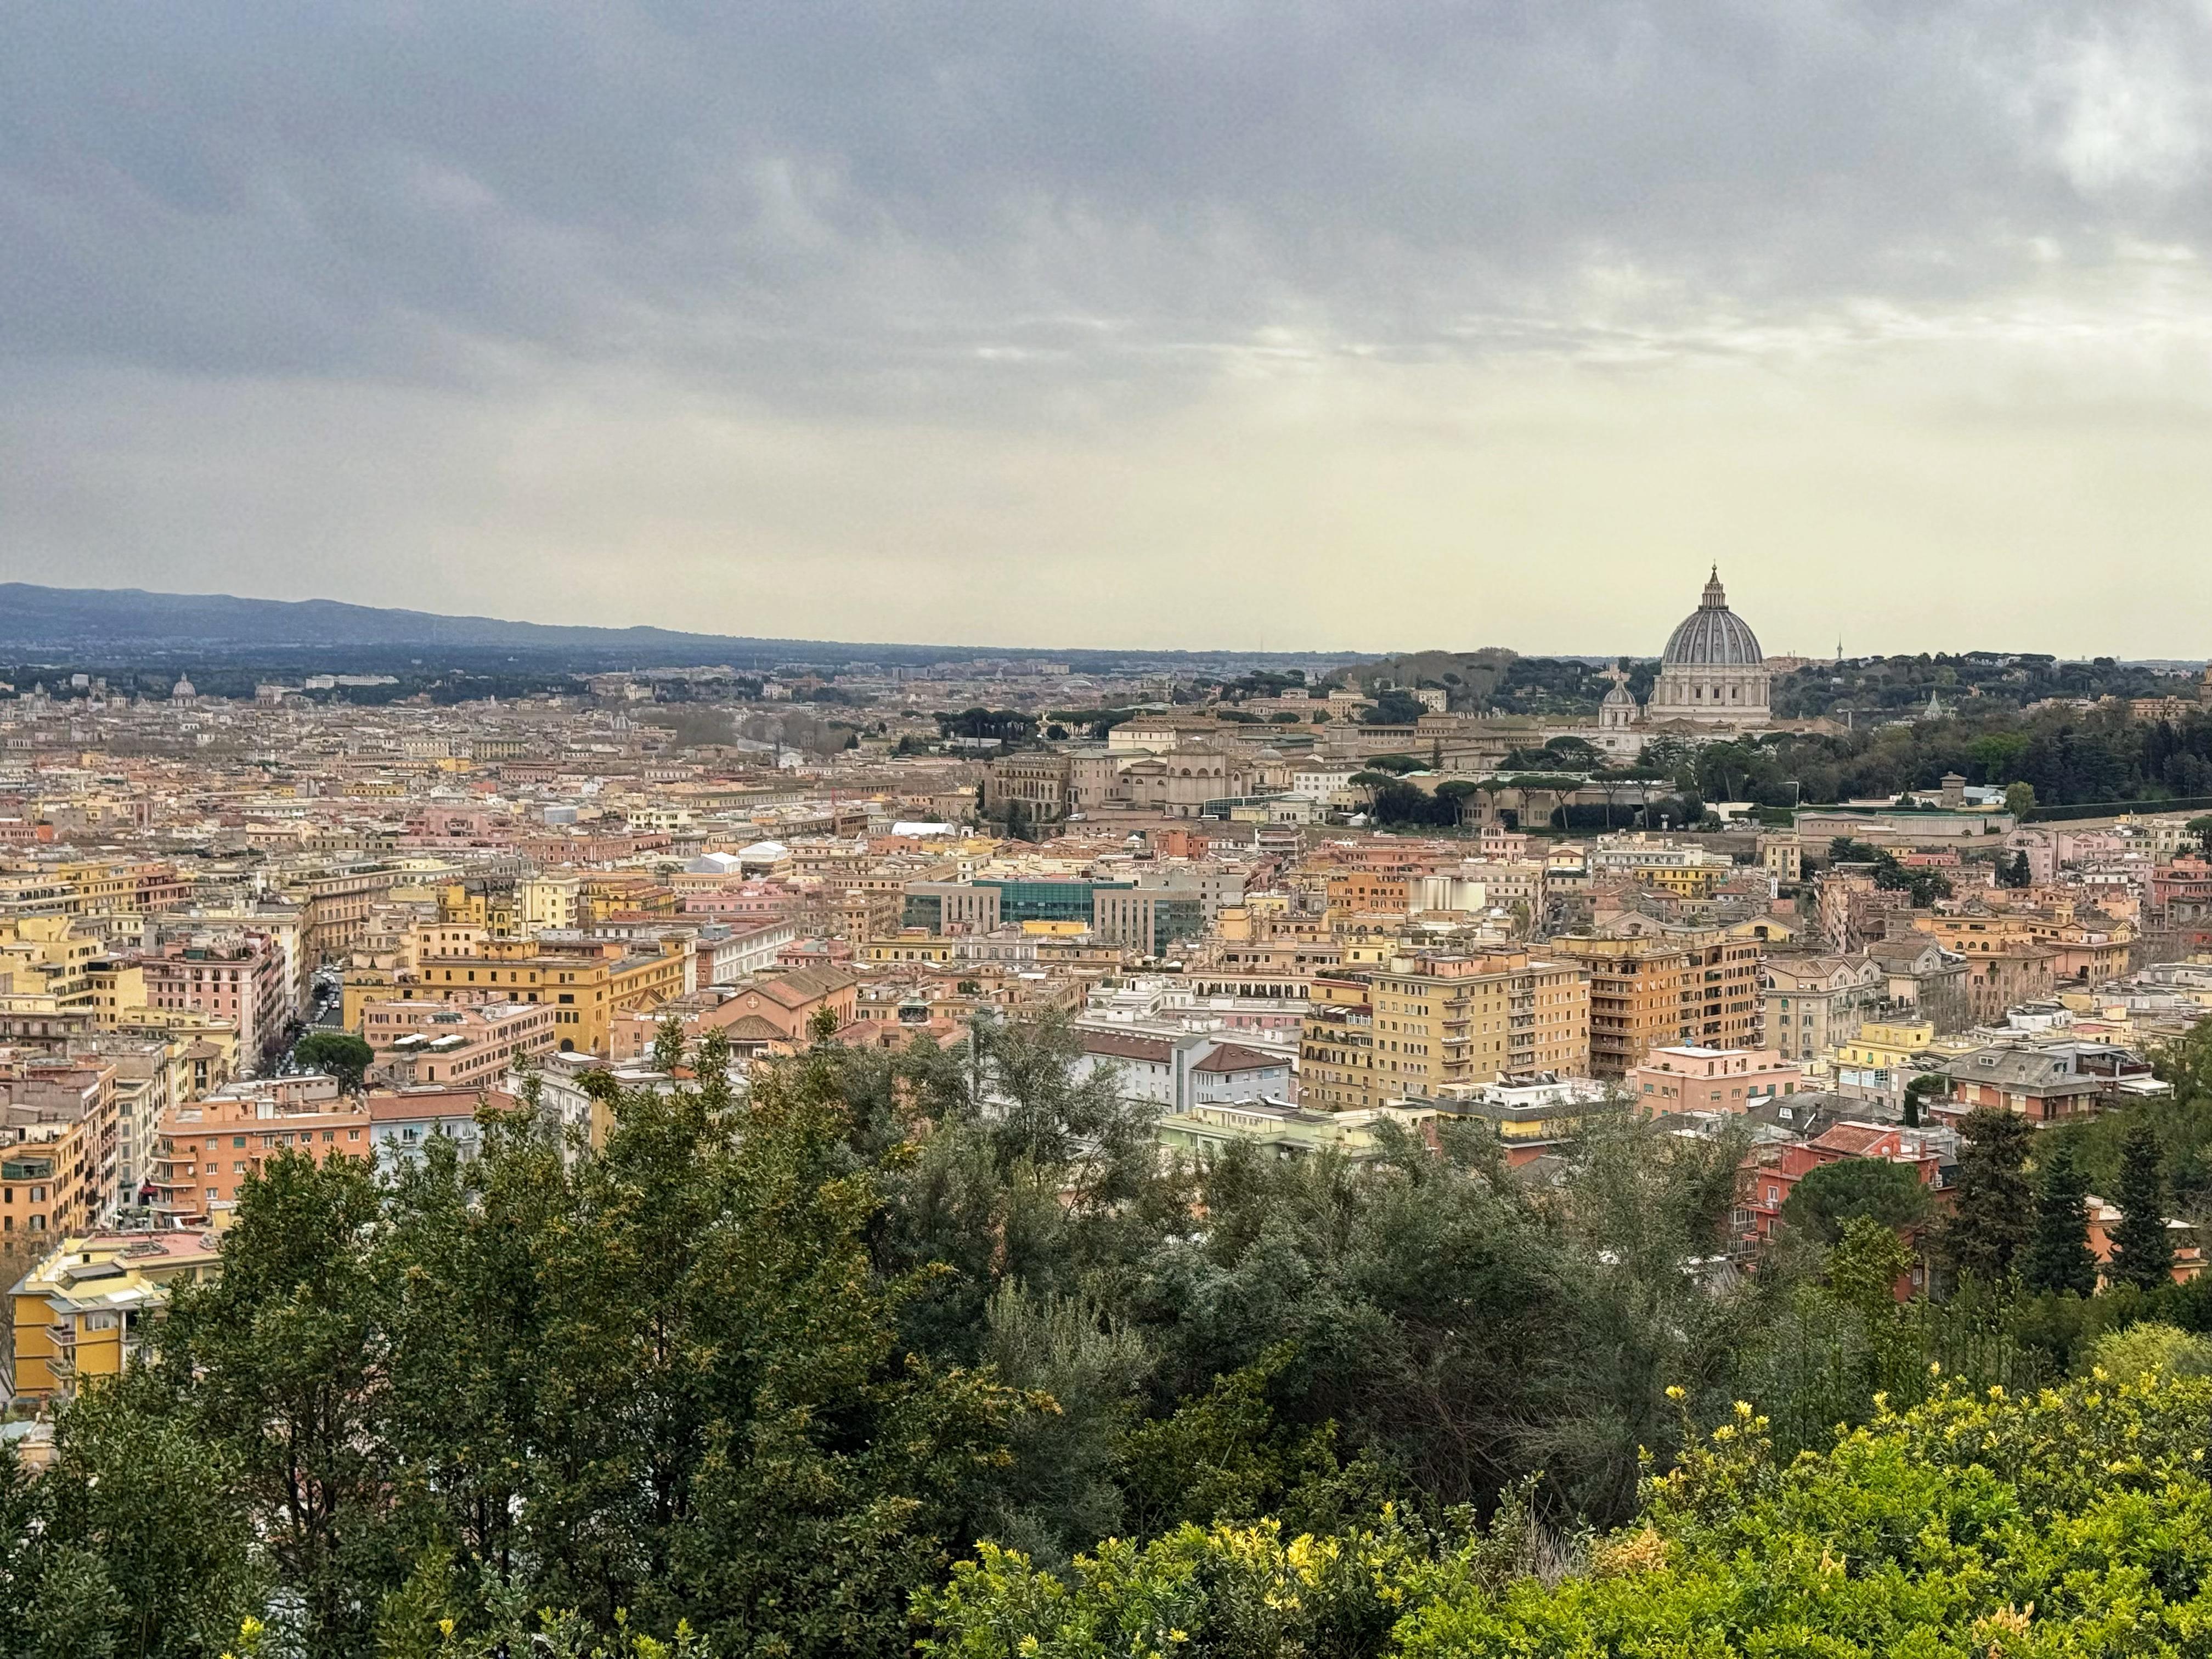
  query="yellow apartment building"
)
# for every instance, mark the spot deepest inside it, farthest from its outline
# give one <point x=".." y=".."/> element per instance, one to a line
<point x="587" y="986"/>
<point x="1880" y="1055"/>
<point x="1436" y="1019"/>
<point x="918" y="947"/>
<point x="48" y="962"/>
<point x="86" y="1310"/>
<point x="2089" y="954"/>
<point x="1336" y="1046"/>
<point x="204" y="1047"/>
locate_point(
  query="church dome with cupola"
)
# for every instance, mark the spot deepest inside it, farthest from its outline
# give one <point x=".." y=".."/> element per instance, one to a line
<point x="1712" y="635"/>
<point x="1713" y="672"/>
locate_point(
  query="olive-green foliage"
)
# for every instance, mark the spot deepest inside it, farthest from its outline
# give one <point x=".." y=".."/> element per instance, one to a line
<point x="2143" y="1249"/>
<point x="1845" y="1340"/>
<point x="1453" y="1325"/>
<point x="1223" y="1455"/>
<point x="341" y="1054"/>
<point x="2179" y="1125"/>
<point x="760" y="1369"/>
<point x="277" y="1366"/>
<point x="1083" y="1367"/>
<point x="657" y="1384"/>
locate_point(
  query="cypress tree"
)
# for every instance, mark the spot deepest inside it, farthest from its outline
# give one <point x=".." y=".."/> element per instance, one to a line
<point x="2142" y="1254"/>
<point x="1989" y="1227"/>
<point x="2058" y="1256"/>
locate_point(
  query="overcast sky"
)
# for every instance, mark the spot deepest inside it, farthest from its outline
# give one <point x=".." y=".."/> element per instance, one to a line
<point x="1361" y="325"/>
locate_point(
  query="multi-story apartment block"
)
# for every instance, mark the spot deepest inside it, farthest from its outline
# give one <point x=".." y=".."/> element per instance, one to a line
<point x="1690" y="871"/>
<point x="58" y="1144"/>
<point x="203" y="1152"/>
<point x="403" y="1122"/>
<point x="1814" y="1001"/>
<point x="94" y="1305"/>
<point x="586" y="982"/>
<point x="240" y="976"/>
<point x="1685" y="1079"/>
<point x="1420" y="1022"/>
<point x="1647" y="992"/>
<point x="454" y="1045"/>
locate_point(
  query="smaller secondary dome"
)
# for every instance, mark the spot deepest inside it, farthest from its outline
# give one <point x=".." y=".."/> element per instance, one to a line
<point x="1712" y="635"/>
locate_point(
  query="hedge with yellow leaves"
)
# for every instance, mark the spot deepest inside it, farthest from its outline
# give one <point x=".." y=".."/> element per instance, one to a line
<point x="2074" y="1521"/>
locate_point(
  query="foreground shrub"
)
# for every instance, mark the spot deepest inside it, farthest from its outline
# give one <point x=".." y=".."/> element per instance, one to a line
<point x="2074" y="1521"/>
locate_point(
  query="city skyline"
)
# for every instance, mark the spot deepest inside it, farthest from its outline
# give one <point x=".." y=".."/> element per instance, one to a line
<point x="1125" y="328"/>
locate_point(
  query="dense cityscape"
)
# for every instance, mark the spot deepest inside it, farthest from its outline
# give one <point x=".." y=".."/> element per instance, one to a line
<point x="1374" y="830"/>
<point x="329" y="963"/>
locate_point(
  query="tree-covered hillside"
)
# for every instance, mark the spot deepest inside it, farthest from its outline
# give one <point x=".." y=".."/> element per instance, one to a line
<point x="758" y="1375"/>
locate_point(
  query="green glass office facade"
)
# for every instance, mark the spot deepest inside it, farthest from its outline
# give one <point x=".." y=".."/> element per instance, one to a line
<point x="1049" y="901"/>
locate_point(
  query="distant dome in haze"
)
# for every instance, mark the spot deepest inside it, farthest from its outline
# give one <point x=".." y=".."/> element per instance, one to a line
<point x="1712" y="635"/>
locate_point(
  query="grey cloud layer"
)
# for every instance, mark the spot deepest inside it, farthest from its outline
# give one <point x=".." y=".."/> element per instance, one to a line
<point x="868" y="205"/>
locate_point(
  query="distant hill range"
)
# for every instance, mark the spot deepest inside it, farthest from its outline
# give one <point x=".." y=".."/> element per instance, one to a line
<point x="130" y="620"/>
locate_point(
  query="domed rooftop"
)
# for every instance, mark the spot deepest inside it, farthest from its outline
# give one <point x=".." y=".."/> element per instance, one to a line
<point x="1713" y="636"/>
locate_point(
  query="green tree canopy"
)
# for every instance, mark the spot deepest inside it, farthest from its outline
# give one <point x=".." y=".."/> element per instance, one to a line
<point x="341" y="1054"/>
<point x="1832" y="1195"/>
<point x="1394" y="707"/>
<point x="1949" y="1529"/>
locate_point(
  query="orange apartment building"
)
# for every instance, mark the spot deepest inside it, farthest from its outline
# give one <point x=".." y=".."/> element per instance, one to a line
<point x="58" y="1132"/>
<point x="1654" y="992"/>
<point x="1770" y="1172"/>
<point x="767" y="1008"/>
<point x="1364" y="893"/>
<point x="203" y="1152"/>
<point x="1691" y="1079"/>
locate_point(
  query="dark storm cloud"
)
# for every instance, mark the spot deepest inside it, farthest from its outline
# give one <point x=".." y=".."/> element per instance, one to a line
<point x="880" y="204"/>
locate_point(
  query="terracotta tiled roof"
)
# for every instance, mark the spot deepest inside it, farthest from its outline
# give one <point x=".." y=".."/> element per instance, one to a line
<point x="753" y="1029"/>
<point x="1235" y="1057"/>
<point x="1851" y="1140"/>
<point x="1118" y="1045"/>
